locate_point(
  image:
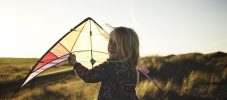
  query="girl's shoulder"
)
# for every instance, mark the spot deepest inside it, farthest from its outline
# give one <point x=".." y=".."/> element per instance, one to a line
<point x="117" y="62"/>
<point x="110" y="62"/>
<point x="114" y="61"/>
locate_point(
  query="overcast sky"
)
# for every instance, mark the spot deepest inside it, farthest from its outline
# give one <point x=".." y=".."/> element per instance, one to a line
<point x="28" y="28"/>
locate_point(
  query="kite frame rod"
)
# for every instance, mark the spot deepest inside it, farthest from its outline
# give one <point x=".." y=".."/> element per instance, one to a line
<point x="89" y="51"/>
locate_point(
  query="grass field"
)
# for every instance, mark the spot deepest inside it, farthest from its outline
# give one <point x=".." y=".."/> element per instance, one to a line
<point x="192" y="76"/>
<point x="187" y="76"/>
<point x="12" y="69"/>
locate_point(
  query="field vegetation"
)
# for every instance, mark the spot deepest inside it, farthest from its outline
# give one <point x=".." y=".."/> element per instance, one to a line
<point x="192" y="76"/>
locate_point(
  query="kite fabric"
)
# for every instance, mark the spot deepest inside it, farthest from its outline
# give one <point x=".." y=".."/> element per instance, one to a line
<point x="88" y="41"/>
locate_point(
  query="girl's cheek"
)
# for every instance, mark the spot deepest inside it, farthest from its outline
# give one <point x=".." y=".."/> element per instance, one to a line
<point x="111" y="48"/>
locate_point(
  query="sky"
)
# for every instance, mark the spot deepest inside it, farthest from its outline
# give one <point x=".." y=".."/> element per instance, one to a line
<point x="28" y="28"/>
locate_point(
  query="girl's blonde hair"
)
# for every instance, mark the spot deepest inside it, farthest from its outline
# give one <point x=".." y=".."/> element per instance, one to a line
<point x="127" y="44"/>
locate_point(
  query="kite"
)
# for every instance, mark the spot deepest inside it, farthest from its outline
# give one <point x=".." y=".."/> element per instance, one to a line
<point x="88" y="41"/>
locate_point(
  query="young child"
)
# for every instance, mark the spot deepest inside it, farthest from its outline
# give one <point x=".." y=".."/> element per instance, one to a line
<point x="118" y="75"/>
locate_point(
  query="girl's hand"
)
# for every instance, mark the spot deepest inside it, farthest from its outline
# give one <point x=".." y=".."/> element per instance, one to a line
<point x="72" y="59"/>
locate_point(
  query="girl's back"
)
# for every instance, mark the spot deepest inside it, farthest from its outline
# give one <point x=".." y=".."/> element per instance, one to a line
<point x="121" y="82"/>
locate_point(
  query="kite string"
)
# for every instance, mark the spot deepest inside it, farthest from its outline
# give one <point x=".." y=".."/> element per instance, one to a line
<point x="145" y="72"/>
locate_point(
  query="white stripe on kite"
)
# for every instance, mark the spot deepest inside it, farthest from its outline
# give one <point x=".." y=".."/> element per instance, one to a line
<point x="34" y="74"/>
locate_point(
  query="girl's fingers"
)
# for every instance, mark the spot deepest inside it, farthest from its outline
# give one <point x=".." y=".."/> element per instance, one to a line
<point x="72" y="58"/>
<point x="73" y="55"/>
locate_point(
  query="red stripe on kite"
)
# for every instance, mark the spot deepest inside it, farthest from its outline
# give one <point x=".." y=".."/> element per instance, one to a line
<point x="46" y="59"/>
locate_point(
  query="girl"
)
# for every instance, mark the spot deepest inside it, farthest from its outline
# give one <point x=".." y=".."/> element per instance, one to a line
<point x="118" y="75"/>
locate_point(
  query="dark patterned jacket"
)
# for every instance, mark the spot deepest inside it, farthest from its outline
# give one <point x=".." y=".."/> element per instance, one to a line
<point x="118" y="79"/>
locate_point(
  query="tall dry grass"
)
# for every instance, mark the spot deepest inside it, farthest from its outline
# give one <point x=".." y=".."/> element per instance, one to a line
<point x="186" y="76"/>
<point x="66" y="90"/>
<point x="14" y="68"/>
<point x="191" y="76"/>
